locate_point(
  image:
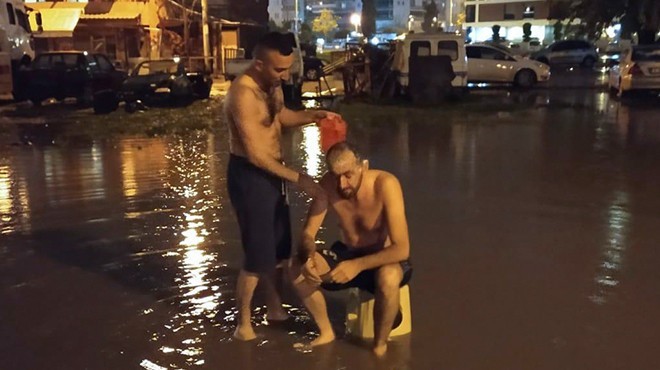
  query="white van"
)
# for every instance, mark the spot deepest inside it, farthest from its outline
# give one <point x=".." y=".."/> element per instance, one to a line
<point x="432" y="44"/>
<point x="16" y="24"/>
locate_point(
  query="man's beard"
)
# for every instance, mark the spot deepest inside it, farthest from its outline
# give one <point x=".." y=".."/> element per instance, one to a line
<point x="349" y="193"/>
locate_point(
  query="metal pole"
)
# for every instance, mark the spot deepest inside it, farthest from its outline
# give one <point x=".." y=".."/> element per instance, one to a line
<point x="205" y="34"/>
<point x="295" y="17"/>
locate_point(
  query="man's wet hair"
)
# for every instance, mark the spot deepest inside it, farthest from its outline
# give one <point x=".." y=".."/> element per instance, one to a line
<point x="273" y="41"/>
<point x="336" y="150"/>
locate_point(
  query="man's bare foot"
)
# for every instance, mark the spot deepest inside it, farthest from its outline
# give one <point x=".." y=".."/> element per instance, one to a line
<point x="244" y="333"/>
<point x="323" y="339"/>
<point x="380" y="350"/>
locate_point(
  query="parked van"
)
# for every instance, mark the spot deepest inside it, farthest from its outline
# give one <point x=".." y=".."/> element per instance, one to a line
<point x="432" y="44"/>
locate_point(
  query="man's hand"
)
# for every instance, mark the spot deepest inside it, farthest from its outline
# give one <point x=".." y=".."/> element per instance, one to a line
<point x="321" y="114"/>
<point x="310" y="272"/>
<point x="345" y="272"/>
<point x="309" y="186"/>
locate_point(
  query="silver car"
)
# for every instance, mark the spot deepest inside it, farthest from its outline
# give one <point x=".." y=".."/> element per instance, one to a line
<point x="568" y="52"/>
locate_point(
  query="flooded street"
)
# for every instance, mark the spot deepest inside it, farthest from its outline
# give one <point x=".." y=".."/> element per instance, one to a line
<point x="533" y="234"/>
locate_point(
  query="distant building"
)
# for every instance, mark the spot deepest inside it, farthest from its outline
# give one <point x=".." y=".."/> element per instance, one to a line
<point x="510" y="15"/>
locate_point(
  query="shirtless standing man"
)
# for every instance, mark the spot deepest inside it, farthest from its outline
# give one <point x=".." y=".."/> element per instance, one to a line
<point x="373" y="254"/>
<point x="255" y="112"/>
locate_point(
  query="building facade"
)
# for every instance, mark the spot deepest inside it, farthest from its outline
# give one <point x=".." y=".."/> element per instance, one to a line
<point x="510" y="15"/>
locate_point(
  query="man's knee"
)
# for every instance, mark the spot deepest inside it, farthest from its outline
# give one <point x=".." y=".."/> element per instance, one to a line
<point x="388" y="277"/>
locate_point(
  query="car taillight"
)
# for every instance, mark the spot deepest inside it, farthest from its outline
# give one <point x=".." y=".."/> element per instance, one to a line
<point x="635" y="70"/>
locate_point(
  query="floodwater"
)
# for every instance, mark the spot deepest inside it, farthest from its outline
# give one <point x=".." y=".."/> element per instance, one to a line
<point x="533" y="239"/>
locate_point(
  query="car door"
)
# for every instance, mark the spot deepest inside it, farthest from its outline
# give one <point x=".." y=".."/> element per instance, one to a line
<point x="560" y="53"/>
<point x="497" y="65"/>
<point x="476" y="66"/>
<point x="104" y="76"/>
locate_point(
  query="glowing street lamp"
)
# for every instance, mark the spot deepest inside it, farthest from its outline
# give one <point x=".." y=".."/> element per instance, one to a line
<point x="356" y="19"/>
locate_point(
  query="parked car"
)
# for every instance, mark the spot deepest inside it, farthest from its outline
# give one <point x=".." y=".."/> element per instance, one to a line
<point x="313" y="68"/>
<point x="431" y="44"/>
<point x="493" y="64"/>
<point x="568" y="52"/>
<point x="639" y="69"/>
<point x="164" y="81"/>
<point x="77" y="74"/>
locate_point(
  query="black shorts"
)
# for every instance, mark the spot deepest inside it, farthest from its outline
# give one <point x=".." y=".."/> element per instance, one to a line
<point x="366" y="280"/>
<point x="259" y="200"/>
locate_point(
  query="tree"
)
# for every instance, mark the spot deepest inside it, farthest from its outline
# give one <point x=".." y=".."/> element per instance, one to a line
<point x="641" y="16"/>
<point x="527" y="32"/>
<point x="325" y="23"/>
<point x="306" y="35"/>
<point x="496" y="33"/>
<point x="430" y="12"/>
<point x="558" y="30"/>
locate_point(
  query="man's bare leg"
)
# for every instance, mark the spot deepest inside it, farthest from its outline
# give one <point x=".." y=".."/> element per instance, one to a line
<point x="314" y="300"/>
<point x="388" y="279"/>
<point x="247" y="282"/>
<point x="273" y="300"/>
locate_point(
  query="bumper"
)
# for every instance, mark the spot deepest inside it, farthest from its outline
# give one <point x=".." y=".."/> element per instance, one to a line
<point x="640" y="83"/>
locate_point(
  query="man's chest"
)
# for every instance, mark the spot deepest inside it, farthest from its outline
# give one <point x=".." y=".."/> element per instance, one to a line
<point x="361" y="218"/>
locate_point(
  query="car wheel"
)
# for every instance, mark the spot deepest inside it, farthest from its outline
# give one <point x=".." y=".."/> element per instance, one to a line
<point x="525" y="78"/>
<point x="312" y="74"/>
<point x="105" y="102"/>
<point x="588" y="62"/>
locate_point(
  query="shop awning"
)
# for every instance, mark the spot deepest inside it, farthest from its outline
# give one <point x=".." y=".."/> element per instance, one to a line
<point x="124" y="10"/>
<point x="56" y="22"/>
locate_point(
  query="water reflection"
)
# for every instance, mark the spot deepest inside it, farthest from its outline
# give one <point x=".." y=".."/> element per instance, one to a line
<point x="614" y="248"/>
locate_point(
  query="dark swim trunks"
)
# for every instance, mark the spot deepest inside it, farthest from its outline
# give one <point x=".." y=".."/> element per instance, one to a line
<point x="366" y="280"/>
<point x="259" y="200"/>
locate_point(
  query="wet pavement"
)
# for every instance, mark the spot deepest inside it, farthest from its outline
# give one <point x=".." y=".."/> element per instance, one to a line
<point x="533" y="230"/>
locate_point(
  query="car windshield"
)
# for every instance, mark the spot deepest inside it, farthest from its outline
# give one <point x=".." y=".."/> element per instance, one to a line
<point x="156" y="66"/>
<point x="646" y="54"/>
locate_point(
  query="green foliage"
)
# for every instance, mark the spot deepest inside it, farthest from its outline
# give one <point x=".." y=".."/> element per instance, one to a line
<point x="527" y="32"/>
<point x="496" y="32"/>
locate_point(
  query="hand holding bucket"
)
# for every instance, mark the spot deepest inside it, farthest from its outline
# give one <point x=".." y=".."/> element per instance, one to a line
<point x="333" y="130"/>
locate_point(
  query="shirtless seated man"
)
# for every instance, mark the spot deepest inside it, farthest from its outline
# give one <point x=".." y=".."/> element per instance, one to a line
<point x="373" y="254"/>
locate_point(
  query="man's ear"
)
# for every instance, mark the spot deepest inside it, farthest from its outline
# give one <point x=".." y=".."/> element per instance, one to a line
<point x="259" y="65"/>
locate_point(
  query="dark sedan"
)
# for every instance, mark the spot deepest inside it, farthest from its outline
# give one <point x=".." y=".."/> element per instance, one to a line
<point x="164" y="81"/>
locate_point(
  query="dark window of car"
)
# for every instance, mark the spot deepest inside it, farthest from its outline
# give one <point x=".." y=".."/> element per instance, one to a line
<point x="473" y="52"/>
<point x="448" y="48"/>
<point x="91" y="63"/>
<point x="560" y="46"/>
<point x="57" y="61"/>
<point x="41" y="62"/>
<point x="104" y="63"/>
<point x="646" y="55"/>
<point x="10" y="13"/>
<point x="23" y="20"/>
<point x="420" y="48"/>
<point x="70" y="60"/>
<point x="492" y="54"/>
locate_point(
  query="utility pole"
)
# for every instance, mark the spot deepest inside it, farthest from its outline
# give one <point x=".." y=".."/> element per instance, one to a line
<point x="205" y="34"/>
<point x="295" y="17"/>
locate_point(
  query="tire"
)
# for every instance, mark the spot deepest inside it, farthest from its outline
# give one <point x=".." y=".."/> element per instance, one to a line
<point x="105" y="102"/>
<point x="525" y="79"/>
<point x="312" y="74"/>
<point x="588" y="62"/>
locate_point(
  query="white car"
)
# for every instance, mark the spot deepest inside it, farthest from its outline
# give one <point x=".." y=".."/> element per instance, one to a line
<point x="638" y="69"/>
<point x="487" y="63"/>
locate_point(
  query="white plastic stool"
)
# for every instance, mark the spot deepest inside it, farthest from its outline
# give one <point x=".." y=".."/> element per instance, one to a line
<point x="360" y="313"/>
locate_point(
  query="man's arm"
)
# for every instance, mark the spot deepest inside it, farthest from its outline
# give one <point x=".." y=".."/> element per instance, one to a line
<point x="248" y="123"/>
<point x="395" y="216"/>
<point x="315" y="217"/>
<point x="290" y="118"/>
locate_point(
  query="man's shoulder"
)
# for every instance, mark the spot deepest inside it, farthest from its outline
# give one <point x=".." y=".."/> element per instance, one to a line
<point x="242" y="87"/>
<point x="384" y="181"/>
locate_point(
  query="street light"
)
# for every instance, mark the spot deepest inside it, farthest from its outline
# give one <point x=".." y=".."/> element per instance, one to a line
<point x="356" y="20"/>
